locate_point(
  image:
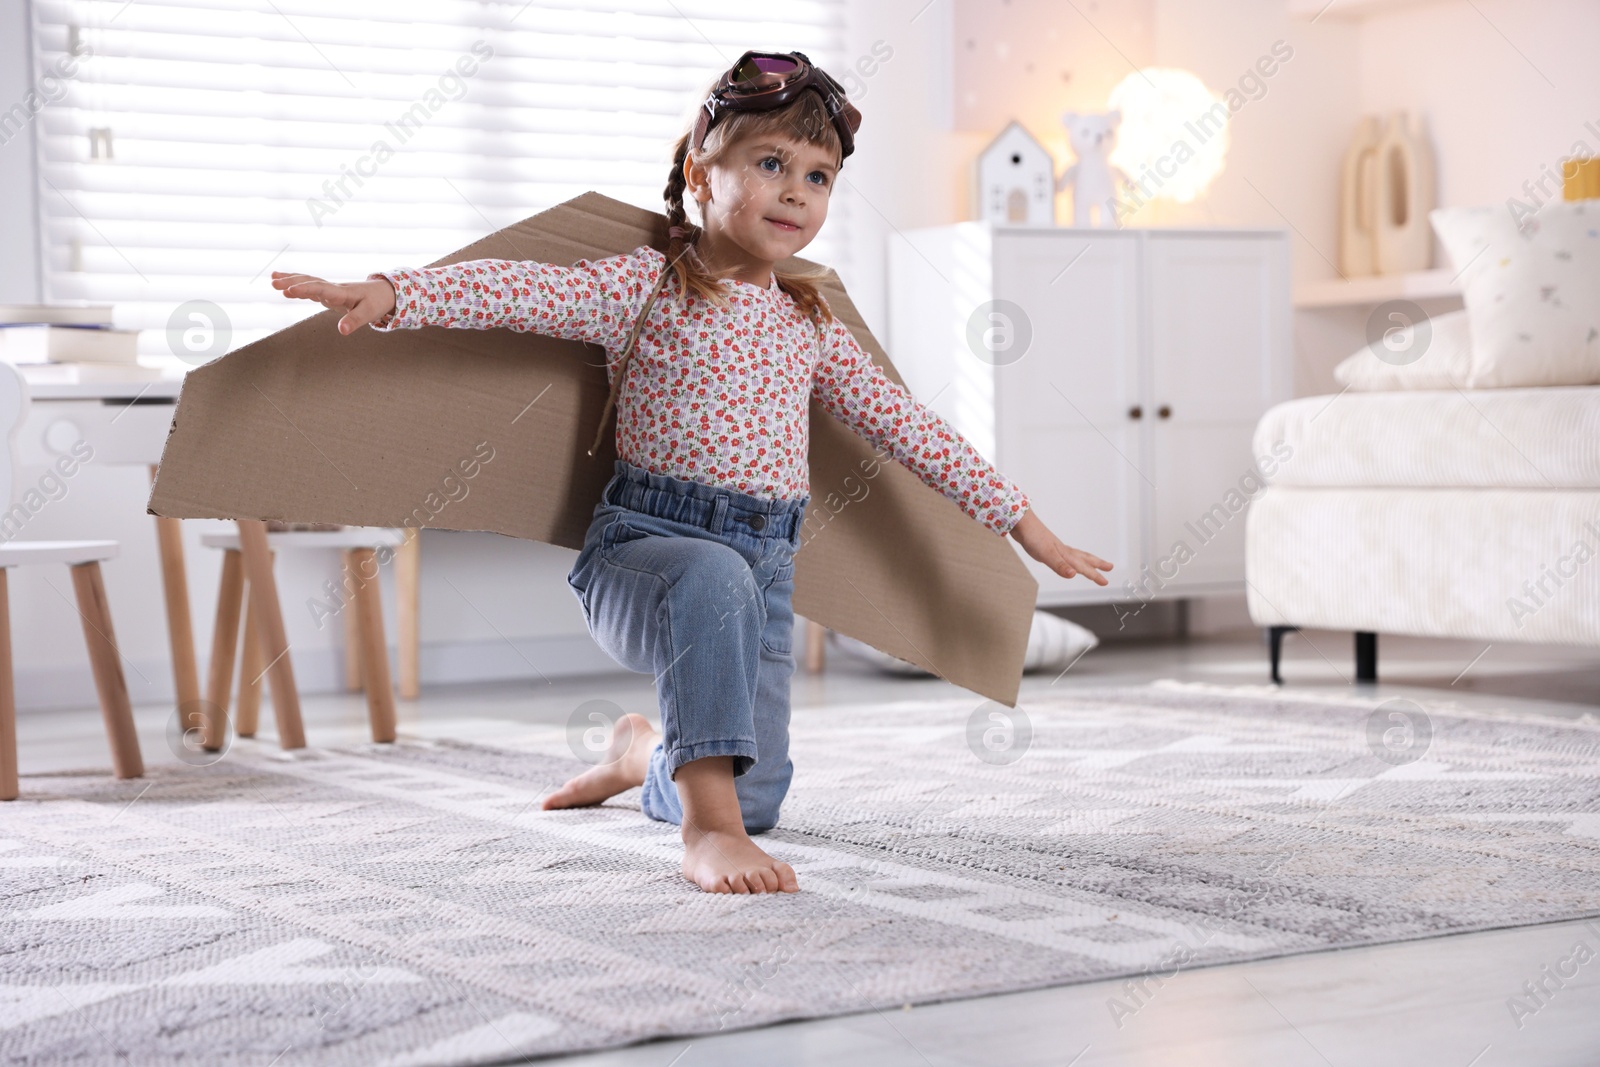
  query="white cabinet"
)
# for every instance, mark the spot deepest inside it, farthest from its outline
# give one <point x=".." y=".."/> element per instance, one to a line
<point x="1116" y="375"/>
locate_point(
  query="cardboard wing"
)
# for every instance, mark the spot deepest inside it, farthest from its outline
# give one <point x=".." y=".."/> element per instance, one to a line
<point x="380" y="429"/>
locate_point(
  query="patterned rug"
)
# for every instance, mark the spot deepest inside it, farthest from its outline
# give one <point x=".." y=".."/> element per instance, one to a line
<point x="409" y="904"/>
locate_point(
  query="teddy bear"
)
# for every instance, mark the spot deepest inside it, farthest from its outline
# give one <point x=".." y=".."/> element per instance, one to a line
<point x="1094" y="180"/>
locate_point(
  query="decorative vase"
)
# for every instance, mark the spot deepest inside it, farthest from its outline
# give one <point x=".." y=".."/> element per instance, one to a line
<point x="1403" y="239"/>
<point x="1357" y="188"/>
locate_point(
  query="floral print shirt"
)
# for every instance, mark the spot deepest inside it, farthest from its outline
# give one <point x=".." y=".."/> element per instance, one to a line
<point x="714" y="395"/>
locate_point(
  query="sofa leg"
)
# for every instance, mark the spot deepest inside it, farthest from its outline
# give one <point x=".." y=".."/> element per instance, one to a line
<point x="1366" y="656"/>
<point x="1275" y="647"/>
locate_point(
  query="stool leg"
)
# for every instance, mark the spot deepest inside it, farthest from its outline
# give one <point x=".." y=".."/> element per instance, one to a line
<point x="224" y="640"/>
<point x="8" y="700"/>
<point x="352" y="628"/>
<point x="816" y="646"/>
<point x="252" y="665"/>
<point x="374" y="650"/>
<point x="104" y="658"/>
<point x="407" y="583"/>
<point x="275" y="640"/>
<point x="180" y="629"/>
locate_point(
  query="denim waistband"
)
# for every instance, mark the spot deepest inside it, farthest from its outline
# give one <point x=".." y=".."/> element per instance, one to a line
<point x="714" y="507"/>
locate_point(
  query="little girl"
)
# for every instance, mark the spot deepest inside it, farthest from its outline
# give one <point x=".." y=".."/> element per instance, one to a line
<point x="687" y="570"/>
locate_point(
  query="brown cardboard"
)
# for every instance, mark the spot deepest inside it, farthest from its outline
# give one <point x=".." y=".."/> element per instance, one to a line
<point x="380" y="429"/>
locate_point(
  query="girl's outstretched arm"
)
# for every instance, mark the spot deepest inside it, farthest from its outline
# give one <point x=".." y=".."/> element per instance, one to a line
<point x="592" y="300"/>
<point x="857" y="392"/>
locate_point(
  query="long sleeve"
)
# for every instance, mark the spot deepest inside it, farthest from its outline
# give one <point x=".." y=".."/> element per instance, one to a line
<point x="592" y="300"/>
<point x="857" y="392"/>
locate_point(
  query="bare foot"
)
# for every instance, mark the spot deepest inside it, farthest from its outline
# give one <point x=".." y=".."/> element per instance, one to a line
<point x="722" y="861"/>
<point x="627" y="760"/>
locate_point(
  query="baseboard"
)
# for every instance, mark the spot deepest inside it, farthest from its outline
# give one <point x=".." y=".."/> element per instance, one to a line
<point x="44" y="689"/>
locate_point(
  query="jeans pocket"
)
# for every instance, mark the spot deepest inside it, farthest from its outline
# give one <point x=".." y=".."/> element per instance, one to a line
<point x="596" y="541"/>
<point x="777" y="635"/>
<point x="619" y="532"/>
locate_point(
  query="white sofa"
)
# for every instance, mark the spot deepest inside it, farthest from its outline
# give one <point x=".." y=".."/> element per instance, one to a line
<point x="1451" y="513"/>
<point x="1452" y="488"/>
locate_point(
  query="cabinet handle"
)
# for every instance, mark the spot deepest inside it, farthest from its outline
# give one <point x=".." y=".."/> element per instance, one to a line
<point x="1136" y="412"/>
<point x="1164" y="411"/>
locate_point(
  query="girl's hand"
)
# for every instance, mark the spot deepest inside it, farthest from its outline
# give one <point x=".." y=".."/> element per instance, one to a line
<point x="1037" y="540"/>
<point x="362" y="302"/>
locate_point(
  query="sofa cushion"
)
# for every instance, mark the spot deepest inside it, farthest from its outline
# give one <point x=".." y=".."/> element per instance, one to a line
<point x="1532" y="291"/>
<point x="1444" y="362"/>
<point x="1494" y="438"/>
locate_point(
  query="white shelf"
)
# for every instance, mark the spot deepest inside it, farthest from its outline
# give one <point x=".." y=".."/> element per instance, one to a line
<point x="1417" y="285"/>
<point x="62" y="381"/>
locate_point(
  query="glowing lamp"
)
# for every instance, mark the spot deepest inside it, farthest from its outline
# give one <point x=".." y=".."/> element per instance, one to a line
<point x="1173" y="136"/>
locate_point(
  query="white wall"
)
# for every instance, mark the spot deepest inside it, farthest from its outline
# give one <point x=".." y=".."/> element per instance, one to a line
<point x="960" y="70"/>
<point x="1285" y="145"/>
<point x="1507" y="86"/>
<point x="1504" y="87"/>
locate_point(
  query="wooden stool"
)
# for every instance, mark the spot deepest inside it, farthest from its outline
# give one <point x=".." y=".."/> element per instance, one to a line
<point x="367" y="653"/>
<point x="83" y="558"/>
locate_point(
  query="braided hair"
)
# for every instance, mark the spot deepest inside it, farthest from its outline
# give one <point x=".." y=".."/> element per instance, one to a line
<point x="803" y="119"/>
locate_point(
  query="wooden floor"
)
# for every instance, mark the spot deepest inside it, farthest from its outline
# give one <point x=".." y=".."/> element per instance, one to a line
<point x="1440" y="1002"/>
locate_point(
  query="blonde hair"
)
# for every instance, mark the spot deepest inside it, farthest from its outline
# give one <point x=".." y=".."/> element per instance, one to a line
<point x="802" y="119"/>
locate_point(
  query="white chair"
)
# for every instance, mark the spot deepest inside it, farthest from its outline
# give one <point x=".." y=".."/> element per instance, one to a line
<point x="83" y="559"/>
<point x="366" y="650"/>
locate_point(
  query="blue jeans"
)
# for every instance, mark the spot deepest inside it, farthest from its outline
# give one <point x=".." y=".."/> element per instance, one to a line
<point x="694" y="584"/>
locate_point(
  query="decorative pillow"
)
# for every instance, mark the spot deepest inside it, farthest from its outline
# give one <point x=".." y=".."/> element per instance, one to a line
<point x="1054" y="643"/>
<point x="1444" y="362"/>
<point x="1532" y="291"/>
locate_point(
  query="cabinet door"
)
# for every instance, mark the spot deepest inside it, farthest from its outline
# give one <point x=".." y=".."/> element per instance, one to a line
<point x="1219" y="347"/>
<point x="1064" y="431"/>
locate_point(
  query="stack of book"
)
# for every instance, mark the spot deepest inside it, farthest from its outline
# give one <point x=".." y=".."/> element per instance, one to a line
<point x="79" y="339"/>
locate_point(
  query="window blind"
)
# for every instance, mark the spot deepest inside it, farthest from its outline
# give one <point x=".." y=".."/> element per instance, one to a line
<point x="200" y="145"/>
